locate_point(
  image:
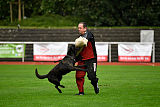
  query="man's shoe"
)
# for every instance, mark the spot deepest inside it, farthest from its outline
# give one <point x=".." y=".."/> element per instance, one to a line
<point x="80" y="93"/>
<point x="96" y="89"/>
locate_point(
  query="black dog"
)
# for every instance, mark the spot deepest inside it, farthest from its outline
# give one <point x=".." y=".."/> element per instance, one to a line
<point x="65" y="66"/>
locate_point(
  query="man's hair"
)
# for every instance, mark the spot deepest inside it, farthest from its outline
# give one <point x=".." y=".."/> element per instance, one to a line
<point x="84" y="24"/>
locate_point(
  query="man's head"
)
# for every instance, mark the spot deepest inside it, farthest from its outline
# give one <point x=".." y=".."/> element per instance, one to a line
<point x="82" y="27"/>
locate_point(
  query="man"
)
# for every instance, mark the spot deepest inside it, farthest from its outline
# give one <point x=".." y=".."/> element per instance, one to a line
<point x="87" y="56"/>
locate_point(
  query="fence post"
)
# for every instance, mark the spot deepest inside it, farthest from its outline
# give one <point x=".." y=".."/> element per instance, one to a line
<point x="23" y="53"/>
<point x="153" y="55"/>
<point x="110" y="52"/>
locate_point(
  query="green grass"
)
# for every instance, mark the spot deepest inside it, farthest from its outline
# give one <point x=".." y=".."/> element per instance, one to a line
<point x="120" y="86"/>
<point x="45" y="21"/>
<point x="56" y="21"/>
<point x="50" y="21"/>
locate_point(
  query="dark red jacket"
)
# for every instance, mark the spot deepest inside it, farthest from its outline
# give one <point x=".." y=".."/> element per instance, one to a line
<point x="89" y="52"/>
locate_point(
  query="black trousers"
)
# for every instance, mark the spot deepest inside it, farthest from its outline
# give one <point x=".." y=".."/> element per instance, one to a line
<point x="91" y="65"/>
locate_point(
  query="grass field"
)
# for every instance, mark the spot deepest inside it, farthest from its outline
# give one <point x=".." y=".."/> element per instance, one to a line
<point x="120" y="86"/>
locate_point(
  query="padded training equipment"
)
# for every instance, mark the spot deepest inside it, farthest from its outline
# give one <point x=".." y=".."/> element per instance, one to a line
<point x="81" y="41"/>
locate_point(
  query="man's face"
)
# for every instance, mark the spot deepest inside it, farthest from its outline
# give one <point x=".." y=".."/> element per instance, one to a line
<point x="81" y="29"/>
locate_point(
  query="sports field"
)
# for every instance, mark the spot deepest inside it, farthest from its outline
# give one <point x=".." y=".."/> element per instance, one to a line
<point x="120" y="86"/>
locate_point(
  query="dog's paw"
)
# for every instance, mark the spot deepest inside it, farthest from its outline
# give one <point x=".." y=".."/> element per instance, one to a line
<point x="62" y="86"/>
<point x="60" y="91"/>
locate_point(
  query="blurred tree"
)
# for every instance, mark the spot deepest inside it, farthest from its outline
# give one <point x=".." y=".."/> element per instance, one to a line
<point x="94" y="12"/>
<point x="32" y="7"/>
<point x="4" y="9"/>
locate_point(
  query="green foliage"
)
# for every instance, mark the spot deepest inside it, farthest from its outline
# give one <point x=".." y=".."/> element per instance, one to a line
<point x="50" y="21"/>
<point x="4" y="9"/>
<point x="94" y="12"/>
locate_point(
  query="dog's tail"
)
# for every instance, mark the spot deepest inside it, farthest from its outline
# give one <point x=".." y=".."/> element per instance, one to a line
<point x="40" y="76"/>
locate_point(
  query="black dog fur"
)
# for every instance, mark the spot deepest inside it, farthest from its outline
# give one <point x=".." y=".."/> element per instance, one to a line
<point x="65" y="66"/>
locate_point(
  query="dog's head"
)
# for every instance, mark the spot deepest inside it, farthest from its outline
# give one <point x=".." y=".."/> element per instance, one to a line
<point x="71" y="50"/>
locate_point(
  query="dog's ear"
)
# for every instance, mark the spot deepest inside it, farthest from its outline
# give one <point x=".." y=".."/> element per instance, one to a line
<point x="70" y="46"/>
<point x="71" y="49"/>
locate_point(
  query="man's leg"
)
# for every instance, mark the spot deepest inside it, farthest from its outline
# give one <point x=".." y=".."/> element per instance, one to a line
<point x="92" y="69"/>
<point x="80" y="79"/>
